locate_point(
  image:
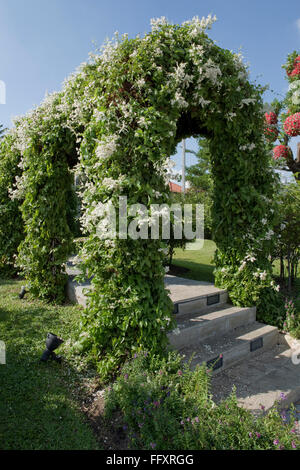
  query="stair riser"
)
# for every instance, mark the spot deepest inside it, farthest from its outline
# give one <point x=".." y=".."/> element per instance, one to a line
<point x="76" y="293"/>
<point x="207" y="329"/>
<point x="243" y="352"/>
<point x="183" y="309"/>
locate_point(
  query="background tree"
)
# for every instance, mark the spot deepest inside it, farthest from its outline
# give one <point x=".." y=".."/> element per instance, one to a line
<point x="201" y="183"/>
<point x="199" y="175"/>
<point x="287" y="230"/>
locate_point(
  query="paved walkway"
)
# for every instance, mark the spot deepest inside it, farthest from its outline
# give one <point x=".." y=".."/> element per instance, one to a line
<point x="261" y="380"/>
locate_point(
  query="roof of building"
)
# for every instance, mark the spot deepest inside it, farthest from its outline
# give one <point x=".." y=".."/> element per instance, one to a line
<point x="174" y="187"/>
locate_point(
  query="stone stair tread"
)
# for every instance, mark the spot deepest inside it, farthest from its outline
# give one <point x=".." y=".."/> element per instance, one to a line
<point x="211" y="347"/>
<point x="260" y="380"/>
<point x="182" y="289"/>
<point x="219" y="312"/>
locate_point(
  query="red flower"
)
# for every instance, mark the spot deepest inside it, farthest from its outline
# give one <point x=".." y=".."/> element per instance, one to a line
<point x="280" y="151"/>
<point x="296" y="69"/>
<point x="292" y="125"/>
<point x="271" y="118"/>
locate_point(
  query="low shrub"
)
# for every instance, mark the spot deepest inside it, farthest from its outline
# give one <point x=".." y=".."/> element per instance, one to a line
<point x="165" y="405"/>
<point x="292" y="319"/>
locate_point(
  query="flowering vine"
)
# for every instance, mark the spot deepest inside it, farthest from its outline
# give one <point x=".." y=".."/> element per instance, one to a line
<point x="115" y="124"/>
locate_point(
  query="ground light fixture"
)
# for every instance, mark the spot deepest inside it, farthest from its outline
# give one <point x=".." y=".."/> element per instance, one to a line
<point x="23" y="292"/>
<point x="52" y="343"/>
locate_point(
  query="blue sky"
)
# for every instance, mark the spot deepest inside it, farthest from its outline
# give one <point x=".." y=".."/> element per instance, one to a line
<point x="43" y="41"/>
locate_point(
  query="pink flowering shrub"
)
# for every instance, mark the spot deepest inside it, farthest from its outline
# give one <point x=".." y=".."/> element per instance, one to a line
<point x="280" y="151"/>
<point x="271" y="118"/>
<point x="296" y="68"/>
<point x="292" y="125"/>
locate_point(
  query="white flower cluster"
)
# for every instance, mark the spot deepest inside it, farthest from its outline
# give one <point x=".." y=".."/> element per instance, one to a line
<point x="157" y="23"/>
<point x="106" y="148"/>
<point x="113" y="184"/>
<point x="212" y="72"/>
<point x="109" y="50"/>
<point x="243" y="72"/>
<point x="248" y="259"/>
<point x="19" y="188"/>
<point x="181" y="78"/>
<point x="179" y="101"/>
<point x="97" y="214"/>
<point x="166" y="169"/>
<point x="230" y="116"/>
<point x="295" y="88"/>
<point x="248" y="147"/>
<point x="140" y="83"/>
<point x="262" y="275"/>
<point x="99" y="115"/>
<point x="247" y="101"/>
<point x="142" y="122"/>
<point x="269" y="235"/>
<point x="275" y="287"/>
<point x="196" y="53"/>
<point x="202" y="102"/>
<point x="198" y="25"/>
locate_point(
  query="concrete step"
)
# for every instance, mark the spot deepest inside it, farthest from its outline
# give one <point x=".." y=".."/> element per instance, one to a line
<point x="262" y="379"/>
<point x="189" y="296"/>
<point x="76" y="291"/>
<point x="210" y="325"/>
<point x="232" y="348"/>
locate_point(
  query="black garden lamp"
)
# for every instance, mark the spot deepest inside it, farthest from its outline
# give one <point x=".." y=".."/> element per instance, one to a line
<point x="52" y="343"/>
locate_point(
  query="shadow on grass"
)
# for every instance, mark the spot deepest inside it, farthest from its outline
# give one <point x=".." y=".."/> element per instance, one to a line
<point x="197" y="271"/>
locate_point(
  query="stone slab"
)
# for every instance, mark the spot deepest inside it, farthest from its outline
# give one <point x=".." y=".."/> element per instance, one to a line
<point x="210" y="325"/>
<point x="182" y="289"/>
<point x="261" y="381"/>
<point x="234" y="346"/>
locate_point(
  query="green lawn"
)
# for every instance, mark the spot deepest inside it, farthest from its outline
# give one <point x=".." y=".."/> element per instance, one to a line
<point x="199" y="262"/>
<point x="39" y="407"/>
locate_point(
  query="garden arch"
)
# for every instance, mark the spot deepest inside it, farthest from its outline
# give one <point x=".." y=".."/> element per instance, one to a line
<point x="118" y="120"/>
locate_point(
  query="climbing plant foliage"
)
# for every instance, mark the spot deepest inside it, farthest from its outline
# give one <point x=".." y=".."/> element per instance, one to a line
<point x="11" y="224"/>
<point x="116" y="123"/>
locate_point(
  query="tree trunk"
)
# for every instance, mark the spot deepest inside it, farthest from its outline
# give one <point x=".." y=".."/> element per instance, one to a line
<point x="289" y="274"/>
<point x="281" y="268"/>
<point x="171" y="253"/>
<point x="294" y="165"/>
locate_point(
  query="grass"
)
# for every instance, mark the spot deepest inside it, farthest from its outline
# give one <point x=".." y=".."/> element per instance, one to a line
<point x="199" y="262"/>
<point x="39" y="406"/>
